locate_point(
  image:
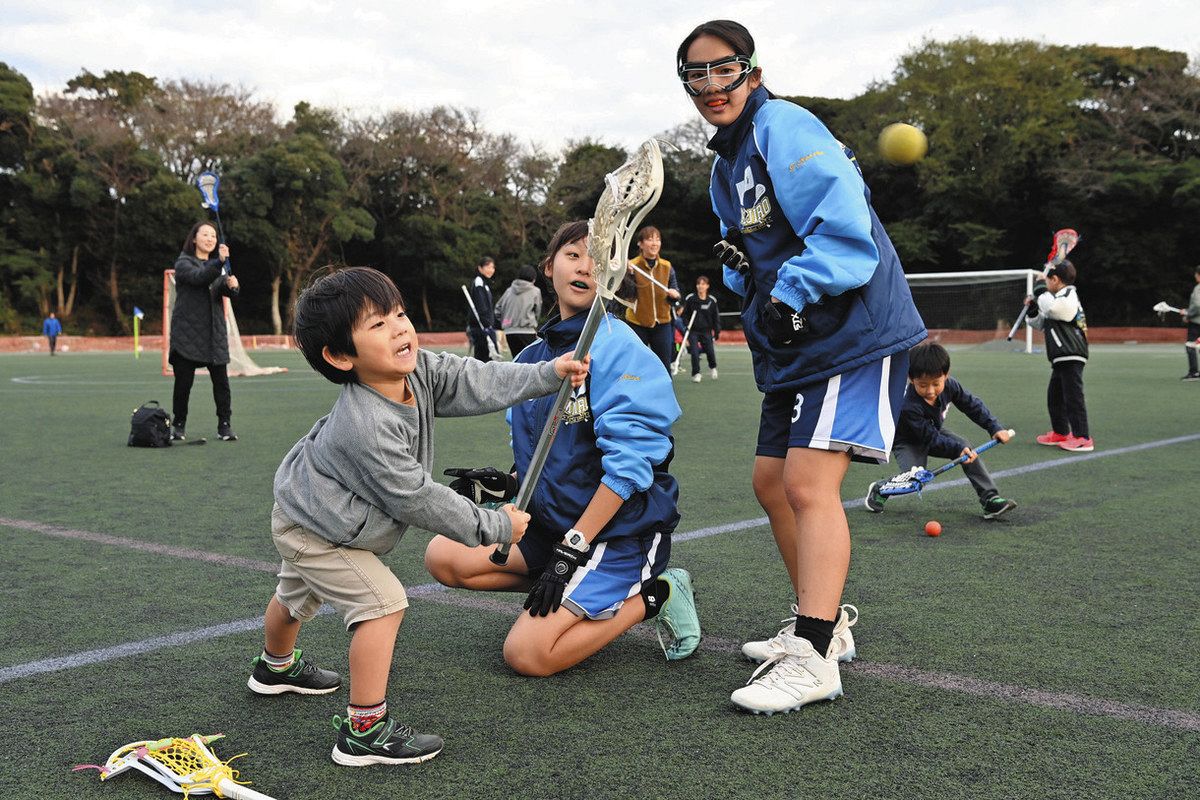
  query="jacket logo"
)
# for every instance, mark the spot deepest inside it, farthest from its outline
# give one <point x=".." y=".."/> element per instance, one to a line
<point x="746" y="184"/>
<point x="758" y="215"/>
<point x="578" y="409"/>
<point x="800" y="162"/>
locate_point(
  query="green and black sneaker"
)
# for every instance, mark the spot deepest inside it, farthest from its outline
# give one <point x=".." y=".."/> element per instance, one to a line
<point x="386" y="742"/>
<point x="302" y="677"/>
<point x="994" y="507"/>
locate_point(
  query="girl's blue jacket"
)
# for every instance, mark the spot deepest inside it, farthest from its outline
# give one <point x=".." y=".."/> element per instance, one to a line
<point x="814" y="242"/>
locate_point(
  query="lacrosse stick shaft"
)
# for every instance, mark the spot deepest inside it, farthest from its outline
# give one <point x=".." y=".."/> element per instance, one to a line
<point x="239" y="792"/>
<point x="988" y="445"/>
<point x="1064" y="242"/>
<point x="649" y="277"/>
<point x="592" y="324"/>
<point x="493" y="348"/>
<point x="683" y="345"/>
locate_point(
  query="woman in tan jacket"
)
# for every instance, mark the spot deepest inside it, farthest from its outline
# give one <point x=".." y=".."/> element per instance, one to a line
<point x="651" y="314"/>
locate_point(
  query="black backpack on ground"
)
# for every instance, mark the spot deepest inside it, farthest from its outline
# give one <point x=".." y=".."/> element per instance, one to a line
<point x="150" y="426"/>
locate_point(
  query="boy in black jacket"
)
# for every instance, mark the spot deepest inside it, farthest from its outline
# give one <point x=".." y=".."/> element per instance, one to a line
<point x="919" y="433"/>
<point x="1054" y="308"/>
<point x="706" y="326"/>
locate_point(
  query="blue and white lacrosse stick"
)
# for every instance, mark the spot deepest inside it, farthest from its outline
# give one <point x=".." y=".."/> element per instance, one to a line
<point x="914" y="480"/>
<point x="208" y="183"/>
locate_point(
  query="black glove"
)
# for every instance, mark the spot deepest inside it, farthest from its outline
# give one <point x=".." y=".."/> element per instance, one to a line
<point x="729" y="251"/>
<point x="546" y="595"/>
<point x="483" y="485"/>
<point x="716" y="335"/>
<point x="1039" y="288"/>
<point x="781" y="323"/>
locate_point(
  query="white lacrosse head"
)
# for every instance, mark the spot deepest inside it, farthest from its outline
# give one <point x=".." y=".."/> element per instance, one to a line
<point x="1162" y="307"/>
<point x="207" y="183"/>
<point x="630" y="192"/>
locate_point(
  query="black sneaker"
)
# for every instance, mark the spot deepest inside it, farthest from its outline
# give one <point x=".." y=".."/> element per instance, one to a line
<point x="1191" y="376"/>
<point x="387" y="742"/>
<point x="177" y="434"/>
<point x="997" y="506"/>
<point x="874" y="500"/>
<point x="225" y="432"/>
<point x="302" y="677"/>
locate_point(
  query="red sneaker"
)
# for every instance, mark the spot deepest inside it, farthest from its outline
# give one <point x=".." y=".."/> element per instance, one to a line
<point x="1078" y="444"/>
<point x="1051" y="438"/>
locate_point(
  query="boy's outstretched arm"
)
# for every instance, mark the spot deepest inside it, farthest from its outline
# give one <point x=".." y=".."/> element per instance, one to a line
<point x="464" y="387"/>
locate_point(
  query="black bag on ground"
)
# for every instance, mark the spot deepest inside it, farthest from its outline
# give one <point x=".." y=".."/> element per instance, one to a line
<point x="150" y="426"/>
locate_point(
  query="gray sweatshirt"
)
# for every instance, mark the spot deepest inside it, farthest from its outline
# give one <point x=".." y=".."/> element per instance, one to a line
<point x="361" y="476"/>
<point x="1193" y="309"/>
<point x="519" y="307"/>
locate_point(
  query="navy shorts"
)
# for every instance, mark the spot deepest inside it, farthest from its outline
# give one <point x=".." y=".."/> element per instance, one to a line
<point x="614" y="572"/>
<point x="855" y="413"/>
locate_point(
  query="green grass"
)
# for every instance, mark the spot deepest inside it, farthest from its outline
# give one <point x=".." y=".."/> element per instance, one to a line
<point x="1088" y="589"/>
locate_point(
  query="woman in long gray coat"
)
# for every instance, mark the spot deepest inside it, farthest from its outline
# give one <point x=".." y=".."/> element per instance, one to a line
<point x="199" y="337"/>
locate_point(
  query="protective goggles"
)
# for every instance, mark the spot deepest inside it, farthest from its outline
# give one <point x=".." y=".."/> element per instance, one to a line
<point x="726" y="74"/>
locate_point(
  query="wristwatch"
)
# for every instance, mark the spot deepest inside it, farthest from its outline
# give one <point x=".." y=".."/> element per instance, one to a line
<point x="576" y="541"/>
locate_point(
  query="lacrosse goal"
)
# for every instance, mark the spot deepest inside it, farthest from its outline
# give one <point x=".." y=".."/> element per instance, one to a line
<point x="973" y="307"/>
<point x="240" y="363"/>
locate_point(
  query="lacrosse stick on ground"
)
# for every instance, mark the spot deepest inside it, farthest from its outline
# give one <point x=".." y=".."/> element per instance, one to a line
<point x="208" y="183"/>
<point x="1162" y="308"/>
<point x="186" y="766"/>
<point x="630" y="192"/>
<point x="915" y="479"/>
<point x="683" y="345"/>
<point x="493" y="348"/>
<point x="1064" y="242"/>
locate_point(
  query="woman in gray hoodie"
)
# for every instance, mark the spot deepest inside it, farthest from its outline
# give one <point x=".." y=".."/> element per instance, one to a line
<point x="519" y="309"/>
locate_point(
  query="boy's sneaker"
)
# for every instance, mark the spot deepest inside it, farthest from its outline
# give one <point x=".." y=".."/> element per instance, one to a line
<point x="678" y="616"/>
<point x="177" y="434"/>
<point x="997" y="506"/>
<point x="225" y="432"/>
<point x="386" y="742"/>
<point x="1078" y="444"/>
<point x="696" y="378"/>
<point x="792" y="676"/>
<point x="1051" y="438"/>
<point x="874" y="500"/>
<point x="302" y="677"/>
<point x="1191" y="376"/>
<point x="713" y="373"/>
<point x="842" y="644"/>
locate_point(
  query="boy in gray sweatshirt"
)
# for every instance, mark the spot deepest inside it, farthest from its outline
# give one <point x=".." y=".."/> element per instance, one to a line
<point x="347" y="492"/>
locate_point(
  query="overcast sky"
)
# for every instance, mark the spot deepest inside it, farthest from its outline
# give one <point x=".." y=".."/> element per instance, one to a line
<point x="547" y="72"/>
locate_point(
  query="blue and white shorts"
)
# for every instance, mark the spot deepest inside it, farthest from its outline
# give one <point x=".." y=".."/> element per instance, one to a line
<point x="614" y="572"/>
<point x="855" y="413"/>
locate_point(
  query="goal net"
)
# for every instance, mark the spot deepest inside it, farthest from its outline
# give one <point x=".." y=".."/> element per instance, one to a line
<point x="973" y="307"/>
<point x="240" y="363"/>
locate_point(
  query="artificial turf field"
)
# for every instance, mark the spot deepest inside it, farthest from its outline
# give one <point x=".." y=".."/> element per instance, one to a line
<point x="1049" y="654"/>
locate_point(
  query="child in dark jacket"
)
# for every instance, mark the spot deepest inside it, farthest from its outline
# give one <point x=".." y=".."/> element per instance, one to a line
<point x="919" y="433"/>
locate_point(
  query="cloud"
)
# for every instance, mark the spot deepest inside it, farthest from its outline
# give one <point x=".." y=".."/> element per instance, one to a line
<point x="546" y="72"/>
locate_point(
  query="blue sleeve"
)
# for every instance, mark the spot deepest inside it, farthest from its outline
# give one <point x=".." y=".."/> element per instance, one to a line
<point x="973" y="407"/>
<point x="822" y="195"/>
<point x="734" y="280"/>
<point x="633" y="406"/>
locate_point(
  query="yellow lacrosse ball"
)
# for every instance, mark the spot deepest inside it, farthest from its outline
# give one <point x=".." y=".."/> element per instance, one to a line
<point x="902" y="144"/>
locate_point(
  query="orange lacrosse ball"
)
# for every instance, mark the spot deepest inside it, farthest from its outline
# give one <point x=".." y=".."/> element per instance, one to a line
<point x="933" y="528"/>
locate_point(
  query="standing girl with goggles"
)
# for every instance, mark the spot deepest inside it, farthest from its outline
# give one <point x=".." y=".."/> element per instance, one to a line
<point x="829" y="320"/>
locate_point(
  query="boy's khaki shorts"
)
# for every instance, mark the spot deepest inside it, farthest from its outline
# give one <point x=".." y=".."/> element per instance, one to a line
<point x="314" y="571"/>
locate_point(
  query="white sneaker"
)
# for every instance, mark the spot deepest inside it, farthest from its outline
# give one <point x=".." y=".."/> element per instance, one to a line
<point x="842" y="645"/>
<point x="713" y="373"/>
<point x="794" y="675"/>
<point x="696" y="378"/>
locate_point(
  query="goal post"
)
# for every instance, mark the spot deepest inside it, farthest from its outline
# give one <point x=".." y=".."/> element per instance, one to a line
<point x="240" y="363"/>
<point x="978" y="306"/>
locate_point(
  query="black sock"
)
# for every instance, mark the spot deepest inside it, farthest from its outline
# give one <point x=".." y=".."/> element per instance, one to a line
<point x="817" y="631"/>
<point x="655" y="594"/>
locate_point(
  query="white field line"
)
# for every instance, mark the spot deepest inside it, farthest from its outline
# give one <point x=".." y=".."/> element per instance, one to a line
<point x="1169" y="718"/>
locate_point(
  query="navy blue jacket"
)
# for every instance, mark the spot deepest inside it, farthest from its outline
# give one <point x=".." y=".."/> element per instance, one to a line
<point x="814" y="242"/>
<point x="616" y="430"/>
<point x="921" y="423"/>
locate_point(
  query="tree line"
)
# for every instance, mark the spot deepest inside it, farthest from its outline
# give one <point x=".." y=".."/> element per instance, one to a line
<point x="97" y="184"/>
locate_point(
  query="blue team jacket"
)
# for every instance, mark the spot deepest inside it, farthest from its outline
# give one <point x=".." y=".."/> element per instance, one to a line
<point x="921" y="423"/>
<point x="51" y="327"/>
<point x="813" y="241"/>
<point x="616" y="429"/>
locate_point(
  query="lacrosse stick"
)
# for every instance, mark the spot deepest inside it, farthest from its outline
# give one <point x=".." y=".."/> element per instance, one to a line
<point x="914" y="480"/>
<point x="1064" y="242"/>
<point x="493" y="348"/>
<point x="630" y="192"/>
<point x="185" y="766"/>
<point x="683" y="345"/>
<point x="208" y="183"/>
<point x="1162" y="308"/>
